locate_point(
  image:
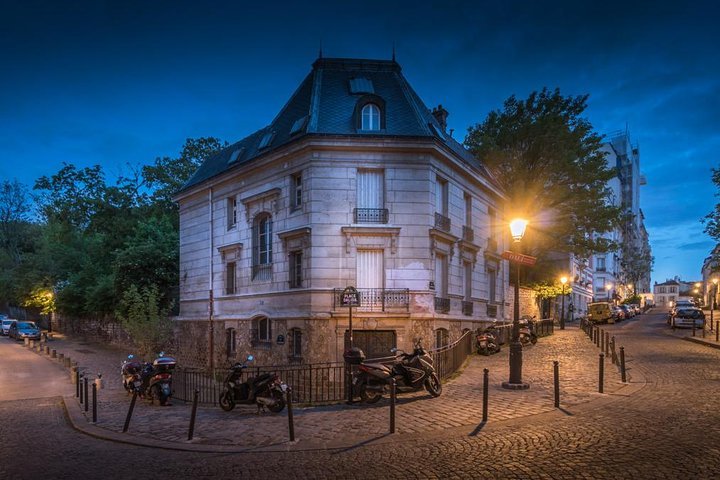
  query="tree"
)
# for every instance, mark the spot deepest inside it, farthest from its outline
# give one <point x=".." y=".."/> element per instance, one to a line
<point x="549" y="162"/>
<point x="145" y="320"/>
<point x="635" y="264"/>
<point x="712" y="219"/>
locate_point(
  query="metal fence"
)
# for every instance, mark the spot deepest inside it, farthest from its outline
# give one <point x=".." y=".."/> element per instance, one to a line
<point x="311" y="384"/>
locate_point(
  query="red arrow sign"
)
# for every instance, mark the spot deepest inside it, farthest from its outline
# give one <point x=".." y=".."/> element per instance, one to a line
<point x="519" y="258"/>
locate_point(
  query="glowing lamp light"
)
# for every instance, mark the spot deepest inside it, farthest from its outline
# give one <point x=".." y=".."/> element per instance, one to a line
<point x="517" y="228"/>
<point x="563" y="280"/>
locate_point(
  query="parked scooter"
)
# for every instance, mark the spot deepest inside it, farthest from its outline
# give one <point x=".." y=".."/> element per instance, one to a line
<point x="264" y="390"/>
<point x="486" y="342"/>
<point x="411" y="371"/>
<point x="152" y="381"/>
<point x="527" y="330"/>
<point x="130" y="371"/>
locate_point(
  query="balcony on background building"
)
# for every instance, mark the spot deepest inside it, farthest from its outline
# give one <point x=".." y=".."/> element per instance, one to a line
<point x="370" y="215"/>
<point x="468" y="234"/>
<point x="442" y="305"/>
<point x="376" y="299"/>
<point x="467" y="308"/>
<point x="442" y="222"/>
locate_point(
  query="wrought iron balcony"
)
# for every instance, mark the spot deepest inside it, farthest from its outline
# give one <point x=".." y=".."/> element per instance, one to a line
<point x="492" y="310"/>
<point x="467" y="308"/>
<point x="442" y="305"/>
<point x="377" y="299"/>
<point x="370" y="215"/>
<point x="468" y="234"/>
<point x="442" y="222"/>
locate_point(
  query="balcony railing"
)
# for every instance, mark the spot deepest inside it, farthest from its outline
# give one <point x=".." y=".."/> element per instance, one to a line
<point x="492" y="311"/>
<point x="370" y="215"/>
<point x="442" y="222"/>
<point x="442" y="305"/>
<point x="377" y="299"/>
<point x="467" y="308"/>
<point x="468" y="234"/>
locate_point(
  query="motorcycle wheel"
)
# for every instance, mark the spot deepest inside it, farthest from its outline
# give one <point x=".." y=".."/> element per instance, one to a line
<point x="533" y="339"/>
<point x="483" y="351"/>
<point x="226" y="403"/>
<point x="369" y="396"/>
<point x="279" y="402"/>
<point x="433" y="385"/>
<point x="157" y="393"/>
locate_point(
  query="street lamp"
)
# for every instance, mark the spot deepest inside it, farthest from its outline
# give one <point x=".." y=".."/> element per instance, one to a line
<point x="517" y="230"/>
<point x="608" y="287"/>
<point x="563" y="280"/>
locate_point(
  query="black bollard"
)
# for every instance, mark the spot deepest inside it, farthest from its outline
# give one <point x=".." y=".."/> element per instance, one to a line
<point x="291" y="422"/>
<point x="94" y="397"/>
<point x="601" y="373"/>
<point x="556" y="374"/>
<point x="622" y="364"/>
<point x="193" y="413"/>
<point x="130" y="411"/>
<point x="392" y="405"/>
<point x="86" y="394"/>
<point x="717" y="331"/>
<point x="607" y="344"/>
<point x="602" y="340"/>
<point x="613" y="352"/>
<point x="693" y="327"/>
<point x="486" y="373"/>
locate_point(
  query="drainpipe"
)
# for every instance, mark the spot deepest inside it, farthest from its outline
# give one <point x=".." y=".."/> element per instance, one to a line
<point x="211" y="305"/>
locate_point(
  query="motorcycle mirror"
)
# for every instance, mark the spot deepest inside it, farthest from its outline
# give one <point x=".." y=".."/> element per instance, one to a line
<point x="161" y="354"/>
<point x="131" y="356"/>
<point x="393" y="350"/>
<point x="250" y="358"/>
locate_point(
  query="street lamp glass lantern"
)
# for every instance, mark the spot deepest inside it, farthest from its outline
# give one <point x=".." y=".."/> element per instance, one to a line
<point x="715" y="281"/>
<point x="563" y="280"/>
<point x="517" y="228"/>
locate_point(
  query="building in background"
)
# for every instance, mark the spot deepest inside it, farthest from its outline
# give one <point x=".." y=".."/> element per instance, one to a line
<point x="354" y="183"/>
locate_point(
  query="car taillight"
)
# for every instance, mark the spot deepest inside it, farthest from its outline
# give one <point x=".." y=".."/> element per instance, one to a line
<point x="363" y="368"/>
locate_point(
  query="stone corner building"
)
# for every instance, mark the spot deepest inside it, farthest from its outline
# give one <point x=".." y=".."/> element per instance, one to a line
<point x="354" y="183"/>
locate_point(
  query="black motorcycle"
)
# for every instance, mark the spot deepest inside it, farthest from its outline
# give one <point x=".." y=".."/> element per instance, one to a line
<point x="486" y="342"/>
<point x="411" y="372"/>
<point x="527" y="330"/>
<point x="264" y="390"/>
<point x="130" y="371"/>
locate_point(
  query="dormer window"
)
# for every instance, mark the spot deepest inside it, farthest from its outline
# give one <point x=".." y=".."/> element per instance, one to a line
<point x="370" y="117"/>
<point x="369" y="114"/>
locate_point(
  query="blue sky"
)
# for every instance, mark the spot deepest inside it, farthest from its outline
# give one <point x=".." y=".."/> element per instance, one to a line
<point x="122" y="82"/>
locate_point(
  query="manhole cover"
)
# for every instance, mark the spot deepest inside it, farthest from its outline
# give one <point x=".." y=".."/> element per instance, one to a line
<point x="86" y="352"/>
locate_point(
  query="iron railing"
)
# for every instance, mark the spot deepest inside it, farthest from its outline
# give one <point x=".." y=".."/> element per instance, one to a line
<point x="467" y="308"/>
<point x="492" y="310"/>
<point x="377" y="299"/>
<point x="442" y="305"/>
<point x="370" y="215"/>
<point x="442" y="222"/>
<point x="311" y="384"/>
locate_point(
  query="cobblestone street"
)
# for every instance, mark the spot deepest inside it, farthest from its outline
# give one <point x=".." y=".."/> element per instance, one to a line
<point x="662" y="424"/>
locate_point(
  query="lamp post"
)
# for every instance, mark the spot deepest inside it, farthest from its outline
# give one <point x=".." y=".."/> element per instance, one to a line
<point x="563" y="280"/>
<point x="712" y="299"/>
<point x="517" y="229"/>
<point x="608" y="287"/>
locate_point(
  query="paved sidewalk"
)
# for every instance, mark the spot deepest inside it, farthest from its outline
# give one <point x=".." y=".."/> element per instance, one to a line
<point x="459" y="407"/>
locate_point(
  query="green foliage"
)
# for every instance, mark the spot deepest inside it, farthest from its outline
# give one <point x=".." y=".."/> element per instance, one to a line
<point x="545" y="290"/>
<point x="145" y="320"/>
<point x="712" y="219"/>
<point x="549" y="162"/>
<point x="634" y="299"/>
<point x="41" y="298"/>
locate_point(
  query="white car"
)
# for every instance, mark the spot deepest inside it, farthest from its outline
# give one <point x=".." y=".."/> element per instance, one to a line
<point x="6" y="326"/>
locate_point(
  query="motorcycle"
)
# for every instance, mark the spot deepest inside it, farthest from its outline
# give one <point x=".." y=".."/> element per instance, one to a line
<point x="130" y="371"/>
<point x="411" y="372"/>
<point x="151" y="381"/>
<point x="264" y="390"/>
<point x="486" y="342"/>
<point x="527" y="330"/>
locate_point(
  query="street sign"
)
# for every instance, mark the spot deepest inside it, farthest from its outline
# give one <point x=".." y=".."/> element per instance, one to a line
<point x="519" y="258"/>
<point x="350" y="297"/>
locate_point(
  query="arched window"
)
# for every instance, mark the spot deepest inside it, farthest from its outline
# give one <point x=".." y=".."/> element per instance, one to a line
<point x="261" y="331"/>
<point x="262" y="247"/>
<point x="441" y="338"/>
<point x="370" y="117"/>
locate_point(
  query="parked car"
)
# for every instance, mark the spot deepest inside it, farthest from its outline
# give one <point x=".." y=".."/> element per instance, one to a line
<point x="599" y="312"/>
<point x="629" y="311"/>
<point x="6" y="322"/>
<point x="687" y="317"/>
<point x="20" y="330"/>
<point x="618" y="313"/>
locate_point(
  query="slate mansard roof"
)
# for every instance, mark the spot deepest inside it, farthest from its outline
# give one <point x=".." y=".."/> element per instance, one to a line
<point x="325" y="104"/>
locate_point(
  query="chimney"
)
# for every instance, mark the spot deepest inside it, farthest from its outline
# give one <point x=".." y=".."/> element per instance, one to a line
<point x="440" y="115"/>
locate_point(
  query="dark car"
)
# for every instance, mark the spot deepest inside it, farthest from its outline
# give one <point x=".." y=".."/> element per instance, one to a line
<point x="21" y="329"/>
<point x="629" y="312"/>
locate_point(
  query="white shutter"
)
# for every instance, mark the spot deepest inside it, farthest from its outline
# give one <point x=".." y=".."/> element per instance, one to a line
<point x="370" y="189"/>
<point x="370" y="269"/>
